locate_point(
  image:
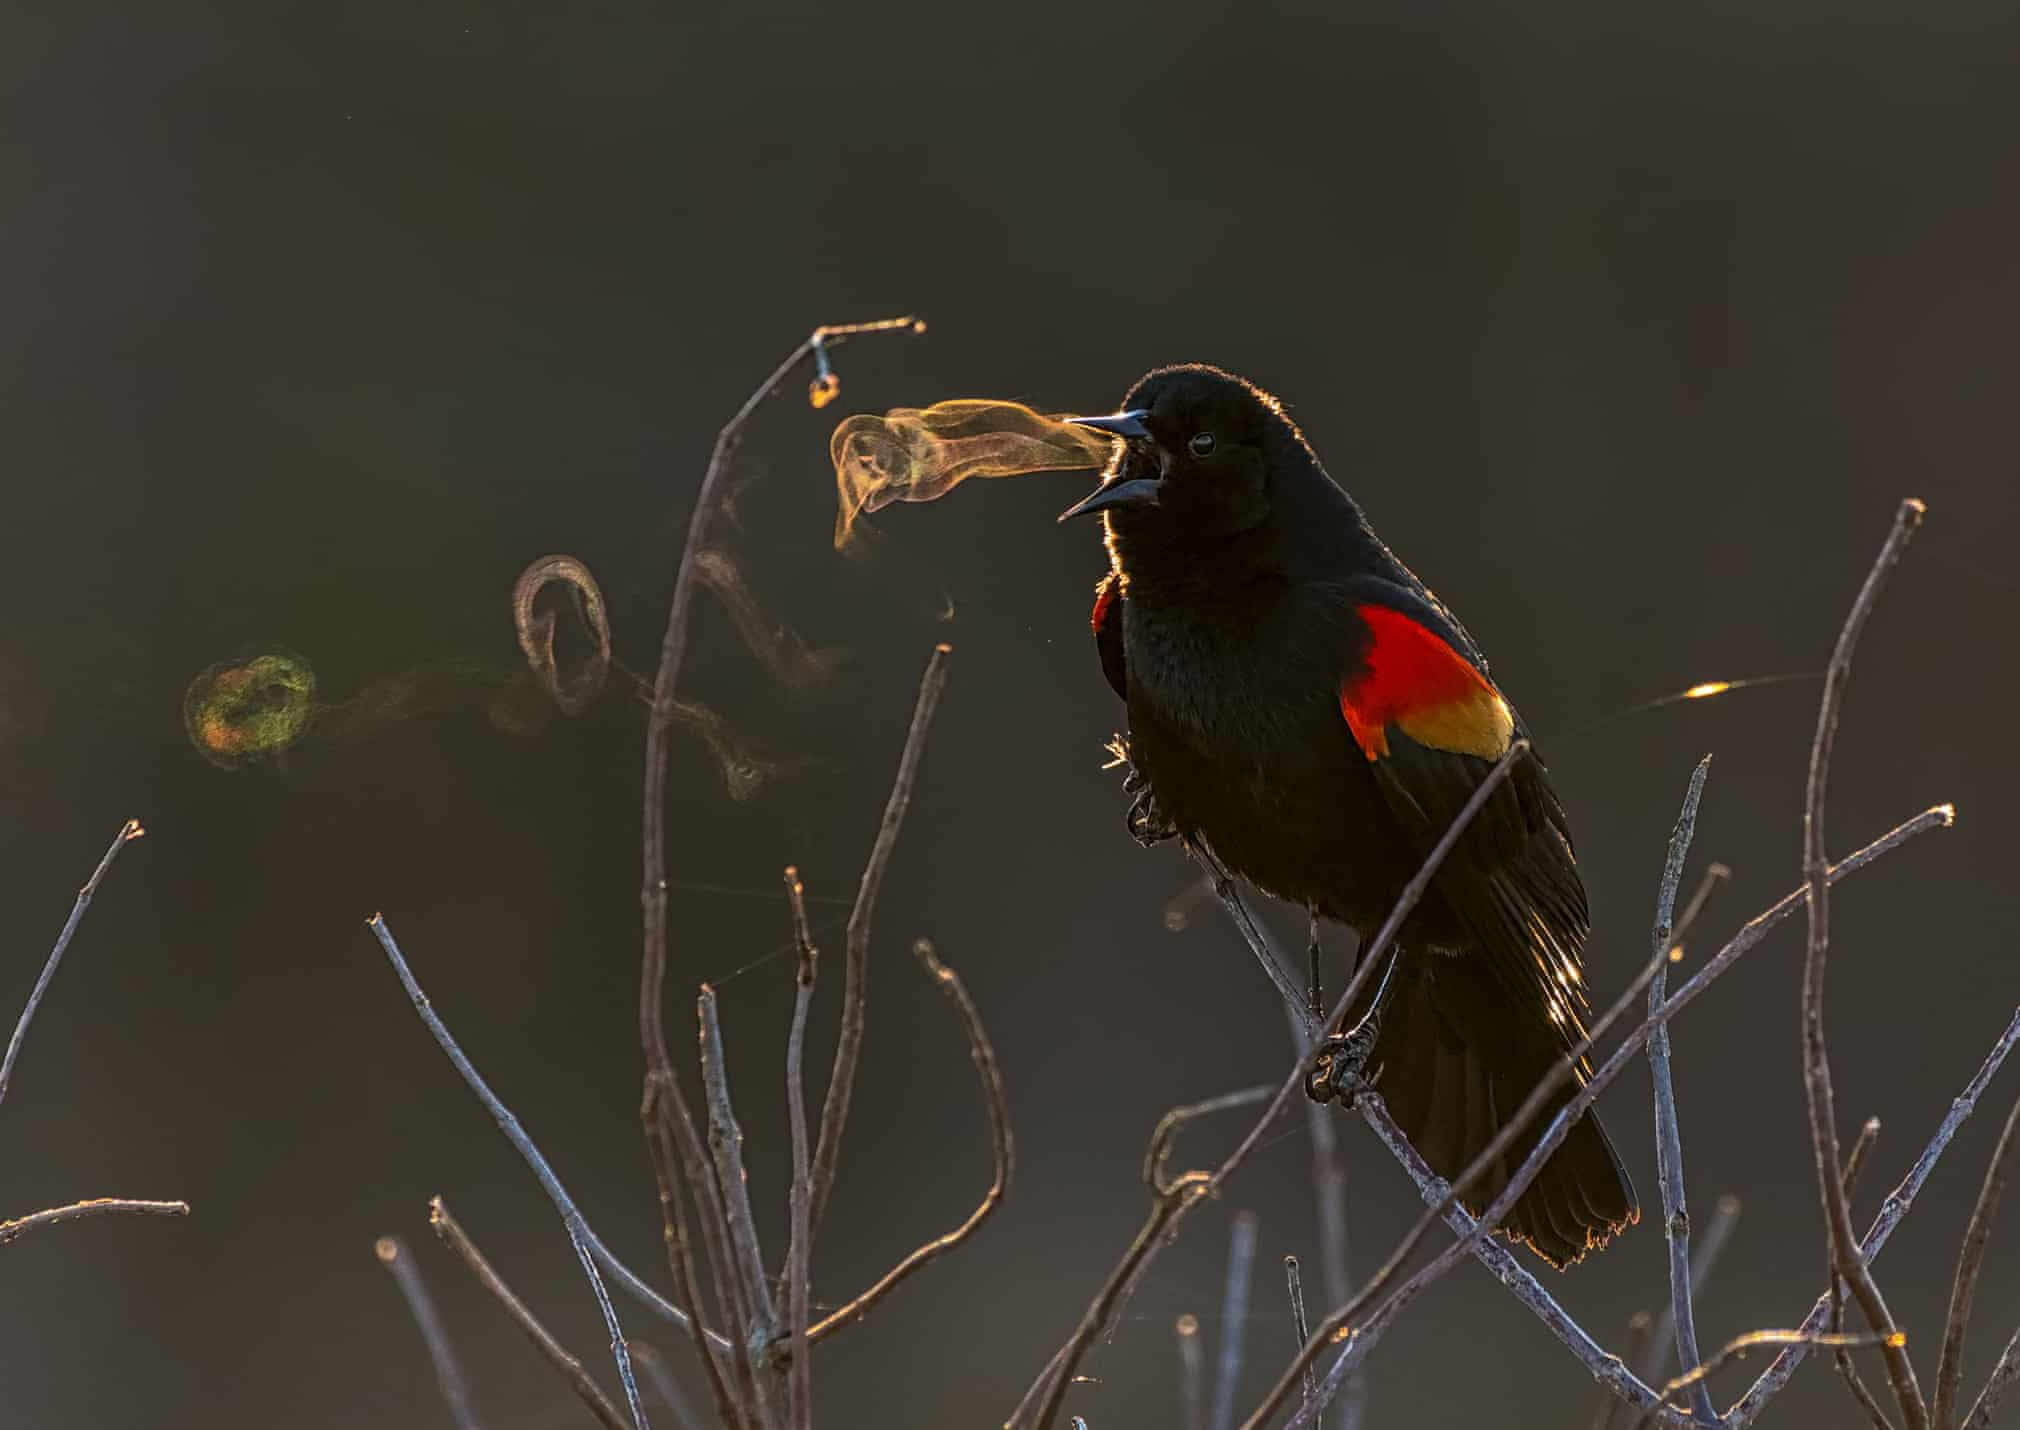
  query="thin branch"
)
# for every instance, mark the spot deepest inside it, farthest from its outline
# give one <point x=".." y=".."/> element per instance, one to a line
<point x="591" y="1394"/>
<point x="2004" y="1373"/>
<point x="1640" y="1333"/>
<point x="1329" y="1195"/>
<point x="1668" y="1133"/>
<point x="1704" y="1256"/>
<point x="1816" y="1051"/>
<point x="1191" y="1373"/>
<point x="1841" y="1359"/>
<point x="660" y="1374"/>
<point x="855" y="972"/>
<point x="716" y="1359"/>
<point x="1862" y="1148"/>
<point x="96" y="1206"/>
<point x="725" y="1145"/>
<point x="1299" y="1324"/>
<point x="1891" y="1212"/>
<point x="680" y="1144"/>
<point x="1970" y="1260"/>
<point x="1738" y="1347"/>
<point x="396" y="1258"/>
<point x="1233" y="1319"/>
<point x="128" y="832"/>
<point x="1174" y="1196"/>
<point x="798" y="1288"/>
<point x="1604" y="1366"/>
<point x="1002" y="1150"/>
<point x="571" y="1217"/>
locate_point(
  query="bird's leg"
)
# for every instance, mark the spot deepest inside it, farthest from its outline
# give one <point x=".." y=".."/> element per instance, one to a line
<point x="1339" y="1070"/>
<point x="1315" y="991"/>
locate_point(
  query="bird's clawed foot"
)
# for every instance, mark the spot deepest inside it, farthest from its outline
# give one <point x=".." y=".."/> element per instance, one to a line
<point x="1147" y="823"/>
<point x="1340" y="1069"/>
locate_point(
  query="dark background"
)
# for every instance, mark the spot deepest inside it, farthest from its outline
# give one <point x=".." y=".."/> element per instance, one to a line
<point x="1629" y="325"/>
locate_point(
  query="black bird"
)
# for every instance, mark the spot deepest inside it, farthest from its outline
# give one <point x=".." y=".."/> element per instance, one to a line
<point x="1304" y="706"/>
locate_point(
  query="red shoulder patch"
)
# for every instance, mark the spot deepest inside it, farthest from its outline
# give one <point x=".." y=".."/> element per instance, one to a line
<point x="1104" y="604"/>
<point x="1412" y="680"/>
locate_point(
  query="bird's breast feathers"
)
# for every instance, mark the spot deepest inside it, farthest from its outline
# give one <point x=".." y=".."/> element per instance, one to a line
<point x="1411" y="679"/>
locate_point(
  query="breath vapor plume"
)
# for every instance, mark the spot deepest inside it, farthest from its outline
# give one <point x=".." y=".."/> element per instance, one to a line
<point x="922" y="453"/>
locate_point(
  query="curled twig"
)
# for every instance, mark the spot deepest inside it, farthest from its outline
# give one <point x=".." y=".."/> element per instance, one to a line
<point x="1002" y="1149"/>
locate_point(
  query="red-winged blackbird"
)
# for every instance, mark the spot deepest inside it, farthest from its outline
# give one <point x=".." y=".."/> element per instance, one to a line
<point x="1304" y="706"/>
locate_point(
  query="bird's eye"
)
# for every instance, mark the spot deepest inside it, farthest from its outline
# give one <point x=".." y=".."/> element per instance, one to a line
<point x="1201" y="444"/>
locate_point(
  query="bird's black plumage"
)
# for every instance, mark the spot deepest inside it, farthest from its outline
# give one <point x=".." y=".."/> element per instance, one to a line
<point x="1300" y="702"/>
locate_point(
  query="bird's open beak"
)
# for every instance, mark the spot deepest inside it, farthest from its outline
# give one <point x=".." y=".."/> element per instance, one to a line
<point x="1117" y="424"/>
<point x="1135" y="491"/>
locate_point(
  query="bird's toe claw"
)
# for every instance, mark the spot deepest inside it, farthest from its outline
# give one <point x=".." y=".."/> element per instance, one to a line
<point x="1147" y="823"/>
<point x="1339" y="1071"/>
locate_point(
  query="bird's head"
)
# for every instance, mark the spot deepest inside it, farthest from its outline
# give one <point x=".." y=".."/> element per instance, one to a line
<point x="1193" y="454"/>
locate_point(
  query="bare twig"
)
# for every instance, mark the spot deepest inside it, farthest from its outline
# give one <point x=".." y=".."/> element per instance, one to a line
<point x="1640" y="1332"/>
<point x="1329" y="1194"/>
<point x="1862" y="1148"/>
<point x="1191" y="1373"/>
<point x="1891" y="1212"/>
<point x="725" y="1145"/>
<point x="96" y="1206"/>
<point x="571" y="1217"/>
<point x="660" y="1374"/>
<point x="1816" y="1052"/>
<point x="1704" y="1256"/>
<point x="1970" y="1259"/>
<point x="798" y="1289"/>
<point x="128" y="832"/>
<point x="1841" y="1359"/>
<point x="396" y="1258"/>
<point x="720" y="1362"/>
<point x="1233" y="1319"/>
<point x="680" y="1147"/>
<point x="1173" y="1198"/>
<point x="855" y="972"/>
<point x="1002" y="1149"/>
<point x="1668" y="1134"/>
<point x="571" y="1368"/>
<point x="1737" y="1348"/>
<point x="1299" y="1323"/>
<point x="2004" y="1373"/>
